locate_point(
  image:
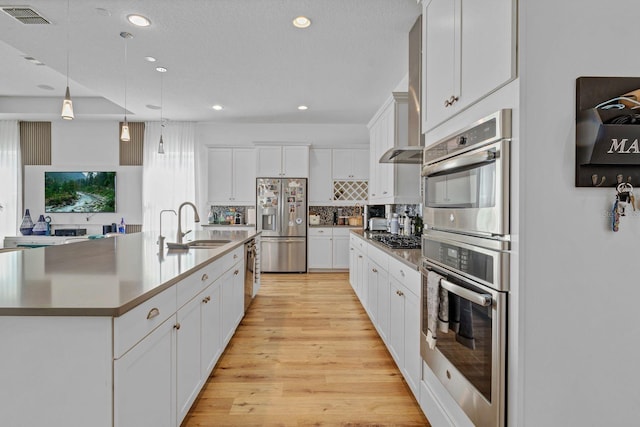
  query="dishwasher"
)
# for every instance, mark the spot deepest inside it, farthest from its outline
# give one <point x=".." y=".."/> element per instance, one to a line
<point x="251" y="273"/>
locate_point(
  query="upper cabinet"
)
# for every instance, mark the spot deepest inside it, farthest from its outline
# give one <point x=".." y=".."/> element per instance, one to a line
<point x="391" y="183"/>
<point x="283" y="161"/>
<point x="350" y="163"/>
<point x="469" y="52"/>
<point x="338" y="176"/>
<point x="231" y="176"/>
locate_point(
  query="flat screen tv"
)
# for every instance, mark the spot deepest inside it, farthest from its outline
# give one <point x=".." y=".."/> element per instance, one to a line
<point x="86" y="192"/>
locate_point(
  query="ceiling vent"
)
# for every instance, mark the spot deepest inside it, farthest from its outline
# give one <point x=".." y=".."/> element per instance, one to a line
<point x="25" y="14"/>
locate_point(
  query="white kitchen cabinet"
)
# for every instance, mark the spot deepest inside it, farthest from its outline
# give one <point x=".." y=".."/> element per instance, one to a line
<point x="350" y="163"/>
<point x="144" y="380"/>
<point x="188" y="352"/>
<point x="391" y="183"/>
<point x="211" y="328"/>
<point x="320" y="248"/>
<point x="470" y="51"/>
<point x="231" y="176"/>
<point x="232" y="289"/>
<point x="340" y="248"/>
<point x="329" y="248"/>
<point x="404" y="332"/>
<point x="320" y="177"/>
<point x="357" y="262"/>
<point x="287" y="161"/>
<point x="376" y="276"/>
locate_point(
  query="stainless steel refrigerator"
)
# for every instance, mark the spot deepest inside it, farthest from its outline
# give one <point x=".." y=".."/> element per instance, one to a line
<point x="281" y="216"/>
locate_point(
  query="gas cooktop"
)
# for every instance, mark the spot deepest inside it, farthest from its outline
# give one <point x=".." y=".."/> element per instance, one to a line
<point x="395" y="241"/>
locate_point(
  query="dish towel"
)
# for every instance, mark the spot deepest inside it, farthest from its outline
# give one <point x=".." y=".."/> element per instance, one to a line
<point x="433" y="307"/>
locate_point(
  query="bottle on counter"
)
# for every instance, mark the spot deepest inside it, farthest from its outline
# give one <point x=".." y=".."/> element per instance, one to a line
<point x="212" y="216"/>
<point x="395" y="225"/>
<point x="122" y="228"/>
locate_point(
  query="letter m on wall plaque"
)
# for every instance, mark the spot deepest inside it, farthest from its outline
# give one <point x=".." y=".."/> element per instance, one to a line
<point x="607" y="130"/>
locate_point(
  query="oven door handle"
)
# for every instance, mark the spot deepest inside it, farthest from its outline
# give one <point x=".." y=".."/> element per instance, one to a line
<point x="460" y="162"/>
<point x="483" y="300"/>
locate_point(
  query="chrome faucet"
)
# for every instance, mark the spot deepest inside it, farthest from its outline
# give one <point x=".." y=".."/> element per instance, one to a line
<point x="196" y="218"/>
<point x="160" y="241"/>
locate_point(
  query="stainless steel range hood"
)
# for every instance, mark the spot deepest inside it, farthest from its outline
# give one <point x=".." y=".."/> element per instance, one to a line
<point x="412" y="152"/>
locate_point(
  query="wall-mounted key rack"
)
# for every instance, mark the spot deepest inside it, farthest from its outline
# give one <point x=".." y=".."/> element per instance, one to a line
<point x="607" y="131"/>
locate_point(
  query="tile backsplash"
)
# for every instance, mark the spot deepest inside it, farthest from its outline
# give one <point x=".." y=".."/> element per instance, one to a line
<point x="326" y="212"/>
<point x="222" y="212"/>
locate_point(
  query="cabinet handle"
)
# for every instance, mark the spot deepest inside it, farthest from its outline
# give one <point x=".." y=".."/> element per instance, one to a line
<point x="449" y="102"/>
<point x="384" y="192"/>
<point x="153" y="313"/>
<point x="351" y="248"/>
<point x="235" y="256"/>
<point x="176" y="326"/>
<point x="374" y="270"/>
<point x="402" y="273"/>
<point x="204" y="277"/>
<point x="320" y="231"/>
<point x="206" y="300"/>
<point x="235" y="273"/>
<point x="359" y="256"/>
<point x="399" y="293"/>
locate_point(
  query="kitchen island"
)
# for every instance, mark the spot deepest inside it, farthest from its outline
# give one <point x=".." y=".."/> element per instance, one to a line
<point x="113" y="331"/>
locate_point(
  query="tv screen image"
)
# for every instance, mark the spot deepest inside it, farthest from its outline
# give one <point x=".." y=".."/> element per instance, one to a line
<point x="86" y="192"/>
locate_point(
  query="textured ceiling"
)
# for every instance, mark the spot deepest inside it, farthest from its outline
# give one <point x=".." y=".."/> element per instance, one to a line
<point x="243" y="54"/>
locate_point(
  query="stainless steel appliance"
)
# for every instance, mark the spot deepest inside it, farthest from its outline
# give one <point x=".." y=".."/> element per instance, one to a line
<point x="251" y="273"/>
<point x="281" y="205"/>
<point x="412" y="152"/>
<point x="470" y="359"/>
<point x="377" y="224"/>
<point x="395" y="241"/>
<point x="466" y="178"/>
<point x="370" y="212"/>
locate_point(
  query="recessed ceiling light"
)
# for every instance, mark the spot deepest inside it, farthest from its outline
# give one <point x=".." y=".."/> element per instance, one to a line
<point x="152" y="107"/>
<point x="161" y="69"/>
<point x="46" y="87"/>
<point x="139" y="20"/>
<point x="102" y="11"/>
<point x="33" y="60"/>
<point x="302" y="107"/>
<point x="301" y="22"/>
<point x="217" y="107"/>
<point x="150" y="59"/>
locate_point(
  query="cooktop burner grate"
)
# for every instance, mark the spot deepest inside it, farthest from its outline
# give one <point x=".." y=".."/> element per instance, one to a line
<point x="395" y="241"/>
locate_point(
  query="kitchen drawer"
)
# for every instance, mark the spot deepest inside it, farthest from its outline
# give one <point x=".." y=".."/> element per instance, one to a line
<point x="379" y="257"/>
<point x="341" y="232"/>
<point x="134" y="325"/>
<point x="190" y="286"/>
<point x="321" y="231"/>
<point x="230" y="259"/>
<point x="406" y="275"/>
<point x="358" y="242"/>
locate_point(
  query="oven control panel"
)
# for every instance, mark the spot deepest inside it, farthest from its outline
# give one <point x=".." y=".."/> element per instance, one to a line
<point x="459" y="259"/>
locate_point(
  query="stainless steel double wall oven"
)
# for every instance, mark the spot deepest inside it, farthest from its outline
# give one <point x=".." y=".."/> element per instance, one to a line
<point x="467" y="242"/>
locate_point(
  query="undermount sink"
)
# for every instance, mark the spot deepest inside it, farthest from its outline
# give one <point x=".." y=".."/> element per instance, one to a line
<point x="207" y="243"/>
<point x="198" y="244"/>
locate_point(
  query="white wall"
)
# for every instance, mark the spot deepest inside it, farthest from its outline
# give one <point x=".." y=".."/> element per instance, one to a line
<point x="80" y="146"/>
<point x="578" y="279"/>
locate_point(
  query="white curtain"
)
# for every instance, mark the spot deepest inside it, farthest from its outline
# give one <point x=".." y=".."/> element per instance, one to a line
<point x="168" y="179"/>
<point x="10" y="179"/>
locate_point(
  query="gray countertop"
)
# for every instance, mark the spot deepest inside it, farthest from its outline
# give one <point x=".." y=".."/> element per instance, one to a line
<point x="410" y="257"/>
<point x="102" y="277"/>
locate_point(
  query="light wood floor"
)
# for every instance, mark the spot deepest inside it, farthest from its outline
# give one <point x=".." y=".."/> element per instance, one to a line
<point x="306" y="354"/>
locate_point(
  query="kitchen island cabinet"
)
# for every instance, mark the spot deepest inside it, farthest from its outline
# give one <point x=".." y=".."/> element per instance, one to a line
<point x="113" y="332"/>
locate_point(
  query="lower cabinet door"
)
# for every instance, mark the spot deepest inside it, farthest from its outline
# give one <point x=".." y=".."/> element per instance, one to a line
<point x="396" y="322"/>
<point x="341" y="252"/>
<point x="144" y="381"/>
<point x="189" y="377"/>
<point x="412" y="360"/>
<point x="211" y="328"/>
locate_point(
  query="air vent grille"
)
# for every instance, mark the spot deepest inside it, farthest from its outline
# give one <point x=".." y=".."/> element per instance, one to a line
<point x="26" y="15"/>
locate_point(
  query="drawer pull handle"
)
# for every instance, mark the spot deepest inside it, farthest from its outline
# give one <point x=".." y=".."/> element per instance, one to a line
<point x="399" y="293"/>
<point x="235" y="273"/>
<point x="206" y="300"/>
<point x="154" y="312"/>
<point x="235" y="256"/>
<point x="176" y="326"/>
<point x="374" y="270"/>
<point x="402" y="273"/>
<point x="205" y="276"/>
<point x="359" y="256"/>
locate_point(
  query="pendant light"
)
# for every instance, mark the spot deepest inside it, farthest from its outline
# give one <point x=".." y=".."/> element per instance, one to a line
<point x="124" y="133"/>
<point x="67" y="105"/>
<point x="161" y="70"/>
